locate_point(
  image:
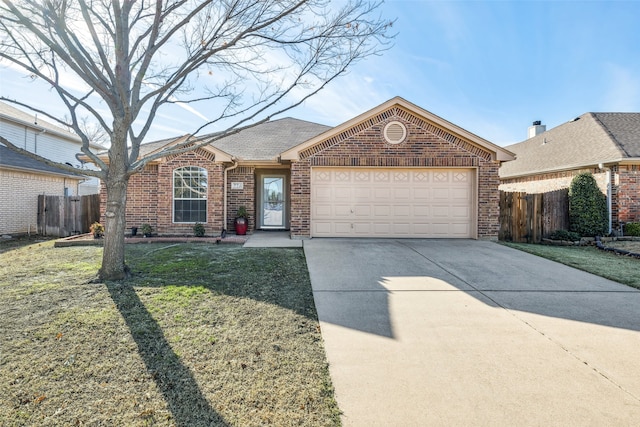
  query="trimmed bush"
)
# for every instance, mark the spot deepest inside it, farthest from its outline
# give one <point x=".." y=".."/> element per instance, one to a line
<point x="198" y="230"/>
<point x="632" y="229"/>
<point x="564" y="235"/>
<point x="588" y="215"/>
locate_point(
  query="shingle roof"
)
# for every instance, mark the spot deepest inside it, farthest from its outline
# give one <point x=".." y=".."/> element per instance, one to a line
<point x="11" y="159"/>
<point x="266" y="141"/>
<point x="624" y="128"/>
<point x="588" y="140"/>
<point x="262" y="142"/>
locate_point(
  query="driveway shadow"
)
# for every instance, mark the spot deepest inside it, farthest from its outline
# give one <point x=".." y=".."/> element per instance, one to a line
<point x="186" y="402"/>
<point x="354" y="279"/>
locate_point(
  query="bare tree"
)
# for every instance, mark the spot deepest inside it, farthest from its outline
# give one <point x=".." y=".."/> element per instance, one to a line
<point x="247" y="60"/>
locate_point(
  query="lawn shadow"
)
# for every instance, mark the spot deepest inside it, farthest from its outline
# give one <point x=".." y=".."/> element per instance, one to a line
<point x="175" y="381"/>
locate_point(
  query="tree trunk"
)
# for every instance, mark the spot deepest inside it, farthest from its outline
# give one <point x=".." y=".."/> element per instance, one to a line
<point x="113" y="266"/>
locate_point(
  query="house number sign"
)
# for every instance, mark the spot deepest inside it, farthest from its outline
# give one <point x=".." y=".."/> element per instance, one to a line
<point x="237" y="185"/>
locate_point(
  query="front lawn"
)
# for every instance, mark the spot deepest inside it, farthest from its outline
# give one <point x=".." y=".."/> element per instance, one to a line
<point x="588" y="258"/>
<point x="204" y="335"/>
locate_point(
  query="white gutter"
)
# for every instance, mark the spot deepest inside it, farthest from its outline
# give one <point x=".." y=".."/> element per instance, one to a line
<point x="224" y="224"/>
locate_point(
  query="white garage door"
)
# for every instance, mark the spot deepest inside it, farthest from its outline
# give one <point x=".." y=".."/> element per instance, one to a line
<point x="368" y="202"/>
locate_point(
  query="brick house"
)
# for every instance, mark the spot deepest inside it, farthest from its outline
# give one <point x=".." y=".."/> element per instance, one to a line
<point x="604" y="144"/>
<point x="23" y="179"/>
<point x="394" y="171"/>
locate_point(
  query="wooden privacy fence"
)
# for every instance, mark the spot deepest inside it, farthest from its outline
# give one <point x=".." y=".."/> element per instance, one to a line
<point x="532" y="217"/>
<point x="64" y="216"/>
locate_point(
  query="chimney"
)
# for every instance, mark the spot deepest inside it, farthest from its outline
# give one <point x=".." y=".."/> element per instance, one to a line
<point x="536" y="129"/>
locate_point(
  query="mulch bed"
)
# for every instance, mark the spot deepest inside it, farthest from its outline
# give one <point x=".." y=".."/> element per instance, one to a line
<point x="89" y="240"/>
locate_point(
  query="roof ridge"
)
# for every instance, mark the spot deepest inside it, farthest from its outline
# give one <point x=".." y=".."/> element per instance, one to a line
<point x="610" y="134"/>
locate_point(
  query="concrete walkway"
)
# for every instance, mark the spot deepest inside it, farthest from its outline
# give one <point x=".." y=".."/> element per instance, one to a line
<point x="271" y="239"/>
<point x="471" y="333"/>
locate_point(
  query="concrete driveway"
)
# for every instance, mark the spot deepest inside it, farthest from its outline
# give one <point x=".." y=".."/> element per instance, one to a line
<point x="462" y="332"/>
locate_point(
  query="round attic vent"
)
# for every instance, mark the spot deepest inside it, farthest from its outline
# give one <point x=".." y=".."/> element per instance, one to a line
<point x="395" y="132"/>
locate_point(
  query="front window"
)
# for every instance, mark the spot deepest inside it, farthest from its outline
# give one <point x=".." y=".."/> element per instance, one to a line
<point x="190" y="194"/>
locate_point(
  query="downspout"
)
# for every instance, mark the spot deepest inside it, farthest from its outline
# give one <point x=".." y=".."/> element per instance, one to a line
<point x="224" y="224"/>
<point x="35" y="140"/>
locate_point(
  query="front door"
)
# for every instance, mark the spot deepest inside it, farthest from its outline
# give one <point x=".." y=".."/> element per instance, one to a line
<point x="272" y="203"/>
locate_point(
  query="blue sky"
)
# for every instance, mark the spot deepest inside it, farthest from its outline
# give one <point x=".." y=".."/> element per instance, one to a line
<point x="491" y="67"/>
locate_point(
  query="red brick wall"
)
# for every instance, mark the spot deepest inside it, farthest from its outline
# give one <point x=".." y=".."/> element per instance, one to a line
<point x="150" y="195"/>
<point x="142" y="202"/>
<point x="628" y="193"/>
<point x="245" y="197"/>
<point x="199" y="158"/>
<point x="425" y="146"/>
<point x="300" y="195"/>
<point x="488" y="200"/>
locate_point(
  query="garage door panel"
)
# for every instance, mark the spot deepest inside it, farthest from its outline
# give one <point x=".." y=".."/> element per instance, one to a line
<point x="382" y="211"/>
<point x="401" y="229"/>
<point x="322" y="193"/>
<point x="382" y="193"/>
<point x="322" y="227"/>
<point x="459" y="194"/>
<point x="381" y="176"/>
<point x="370" y="202"/>
<point x="342" y="193"/>
<point x="322" y="211"/>
<point x="402" y="193"/>
<point x="421" y="193"/>
<point x="421" y="228"/>
<point x="342" y="211"/>
<point x="460" y="229"/>
<point x="460" y="212"/>
<point x="361" y="193"/>
<point x="421" y="211"/>
<point x="343" y="228"/>
<point x="402" y="211"/>
<point x="382" y="229"/>
<point x="440" y="211"/>
<point x="362" y="211"/>
<point x="362" y="228"/>
<point x="441" y="194"/>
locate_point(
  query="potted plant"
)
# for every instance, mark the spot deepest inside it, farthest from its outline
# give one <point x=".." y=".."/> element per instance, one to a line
<point x="198" y="229"/>
<point x="97" y="230"/>
<point x="242" y="221"/>
<point x="146" y="230"/>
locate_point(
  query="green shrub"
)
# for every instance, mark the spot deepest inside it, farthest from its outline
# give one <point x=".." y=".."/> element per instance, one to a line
<point x="588" y="214"/>
<point x="632" y="229"/>
<point x="564" y="235"/>
<point x="146" y="229"/>
<point x="198" y="230"/>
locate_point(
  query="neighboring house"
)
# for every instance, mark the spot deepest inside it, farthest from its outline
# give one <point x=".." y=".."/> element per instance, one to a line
<point x="52" y="142"/>
<point x="22" y="180"/>
<point x="394" y="171"/>
<point x="604" y="144"/>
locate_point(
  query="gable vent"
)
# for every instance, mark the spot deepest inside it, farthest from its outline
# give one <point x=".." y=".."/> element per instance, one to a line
<point x="395" y="132"/>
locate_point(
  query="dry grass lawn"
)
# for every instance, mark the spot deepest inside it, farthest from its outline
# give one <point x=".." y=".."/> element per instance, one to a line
<point x="204" y="335"/>
<point x="619" y="268"/>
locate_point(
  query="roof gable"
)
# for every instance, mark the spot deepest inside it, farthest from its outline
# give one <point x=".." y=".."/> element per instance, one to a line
<point x="410" y="112"/>
<point x="588" y="140"/>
